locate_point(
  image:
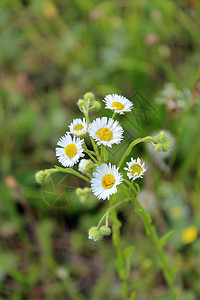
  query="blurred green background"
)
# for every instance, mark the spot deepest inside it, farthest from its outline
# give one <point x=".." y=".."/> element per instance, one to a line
<point x="51" y="53"/>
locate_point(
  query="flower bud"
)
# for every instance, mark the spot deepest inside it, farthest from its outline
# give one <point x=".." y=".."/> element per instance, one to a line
<point x="86" y="190"/>
<point x="166" y="145"/>
<point x="94" y="234"/>
<point x="43" y="175"/>
<point x="86" y="166"/>
<point x="79" y="191"/>
<point x="40" y="176"/>
<point x="96" y="105"/>
<point x="105" y="230"/>
<point x="81" y="103"/>
<point x="158" y="147"/>
<point x="162" y="135"/>
<point x="89" y="96"/>
<point x="83" y="199"/>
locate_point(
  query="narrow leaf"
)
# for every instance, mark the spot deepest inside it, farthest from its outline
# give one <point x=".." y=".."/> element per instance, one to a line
<point x="164" y="239"/>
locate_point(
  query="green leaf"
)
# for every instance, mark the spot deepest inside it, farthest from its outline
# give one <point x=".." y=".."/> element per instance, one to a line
<point x="120" y="268"/>
<point x="164" y="239"/>
<point x="128" y="251"/>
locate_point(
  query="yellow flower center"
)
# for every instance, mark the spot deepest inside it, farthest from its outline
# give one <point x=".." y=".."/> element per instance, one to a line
<point x="117" y="105"/>
<point x="104" y="134"/>
<point x="70" y="150"/>
<point x="189" y="235"/>
<point x="108" y="181"/>
<point x="78" y="127"/>
<point x="136" y="169"/>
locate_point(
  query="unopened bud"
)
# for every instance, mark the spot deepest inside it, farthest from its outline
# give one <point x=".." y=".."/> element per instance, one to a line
<point x="81" y="103"/>
<point x="95" y="234"/>
<point x="162" y="135"/>
<point x="158" y="147"/>
<point x="96" y="105"/>
<point x="87" y="190"/>
<point x="79" y="191"/>
<point x="83" y="199"/>
<point x="89" y="96"/>
<point x="166" y="145"/>
<point x="105" y="230"/>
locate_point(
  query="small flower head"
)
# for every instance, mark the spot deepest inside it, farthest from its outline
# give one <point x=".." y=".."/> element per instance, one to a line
<point x="96" y="105"/>
<point x="95" y="234"/>
<point x="44" y="175"/>
<point x="70" y="150"/>
<point x="190" y="234"/>
<point x="83" y="194"/>
<point x="118" y="104"/>
<point x="106" y="131"/>
<point x="86" y="166"/>
<point x="78" y="127"/>
<point x="105" y="230"/>
<point x="135" y="169"/>
<point x="41" y="176"/>
<point x="105" y="180"/>
<point x="89" y="96"/>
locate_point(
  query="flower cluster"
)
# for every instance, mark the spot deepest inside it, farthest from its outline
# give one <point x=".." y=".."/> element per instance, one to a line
<point x="103" y="132"/>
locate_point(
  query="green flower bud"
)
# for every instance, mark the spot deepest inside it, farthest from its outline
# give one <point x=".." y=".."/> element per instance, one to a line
<point x="166" y="145"/>
<point x="83" y="199"/>
<point x="96" y="105"/>
<point x="40" y="176"/>
<point x="86" y="166"/>
<point x="86" y="190"/>
<point x="158" y="147"/>
<point x="81" y="103"/>
<point x="79" y="191"/>
<point x="162" y="136"/>
<point x="43" y="175"/>
<point x="89" y="96"/>
<point x="105" y="230"/>
<point x="95" y="234"/>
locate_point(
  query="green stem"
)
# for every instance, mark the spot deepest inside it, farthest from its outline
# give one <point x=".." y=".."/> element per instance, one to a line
<point x="150" y="230"/>
<point x="130" y="147"/>
<point x="118" y="246"/>
<point x="73" y="172"/>
<point x="90" y="153"/>
<point x="110" y="209"/>
<point x="113" y="115"/>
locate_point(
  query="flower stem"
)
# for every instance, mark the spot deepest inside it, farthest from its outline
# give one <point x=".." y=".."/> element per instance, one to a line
<point x="110" y="209"/>
<point x="121" y="266"/>
<point x="130" y="147"/>
<point x="73" y="172"/>
<point x="90" y="153"/>
<point x="151" y="231"/>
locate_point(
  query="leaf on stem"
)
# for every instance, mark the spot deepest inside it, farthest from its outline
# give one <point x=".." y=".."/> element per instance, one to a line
<point x="164" y="239"/>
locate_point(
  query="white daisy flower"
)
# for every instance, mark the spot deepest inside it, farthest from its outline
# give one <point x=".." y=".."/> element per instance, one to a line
<point x="71" y="150"/>
<point x="106" y="131"/>
<point x="135" y="169"/>
<point x="105" y="180"/>
<point x="78" y="127"/>
<point x="119" y="104"/>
